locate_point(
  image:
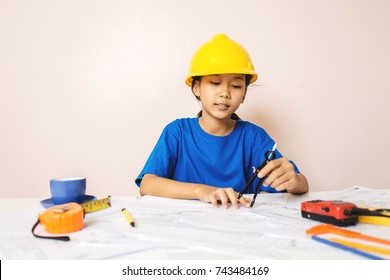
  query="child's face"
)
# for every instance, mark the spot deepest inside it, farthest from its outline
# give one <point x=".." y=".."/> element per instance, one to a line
<point x="220" y="95"/>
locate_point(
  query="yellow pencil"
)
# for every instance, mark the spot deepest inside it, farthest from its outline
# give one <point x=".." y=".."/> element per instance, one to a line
<point x="361" y="246"/>
<point x="128" y="217"/>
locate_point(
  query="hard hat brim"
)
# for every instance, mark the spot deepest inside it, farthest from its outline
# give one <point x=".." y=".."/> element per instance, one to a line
<point x="189" y="78"/>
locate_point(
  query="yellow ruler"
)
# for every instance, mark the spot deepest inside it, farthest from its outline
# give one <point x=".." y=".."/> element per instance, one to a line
<point x="96" y="205"/>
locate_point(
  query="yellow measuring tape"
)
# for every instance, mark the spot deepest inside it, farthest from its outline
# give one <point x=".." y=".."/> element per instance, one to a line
<point x="96" y="205"/>
<point x="384" y="219"/>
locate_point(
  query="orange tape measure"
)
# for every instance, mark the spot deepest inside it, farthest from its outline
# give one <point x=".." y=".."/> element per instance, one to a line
<point x="69" y="217"/>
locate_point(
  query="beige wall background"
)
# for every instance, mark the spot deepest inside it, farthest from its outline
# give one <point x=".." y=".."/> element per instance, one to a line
<point x="87" y="86"/>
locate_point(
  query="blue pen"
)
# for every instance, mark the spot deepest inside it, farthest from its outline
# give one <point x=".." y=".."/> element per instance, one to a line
<point x="346" y="248"/>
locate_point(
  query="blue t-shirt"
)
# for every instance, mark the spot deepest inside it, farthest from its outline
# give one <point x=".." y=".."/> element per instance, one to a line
<point x="186" y="153"/>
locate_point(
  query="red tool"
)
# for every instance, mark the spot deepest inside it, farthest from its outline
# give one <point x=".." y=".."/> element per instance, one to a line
<point x="335" y="212"/>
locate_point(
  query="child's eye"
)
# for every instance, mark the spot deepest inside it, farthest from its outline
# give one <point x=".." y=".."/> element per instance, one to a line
<point x="237" y="86"/>
<point x="215" y="83"/>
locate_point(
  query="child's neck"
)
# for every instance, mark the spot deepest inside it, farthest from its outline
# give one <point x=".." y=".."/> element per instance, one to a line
<point x="217" y="127"/>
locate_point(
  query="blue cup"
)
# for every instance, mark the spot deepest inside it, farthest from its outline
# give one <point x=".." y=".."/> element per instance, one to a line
<point x="70" y="189"/>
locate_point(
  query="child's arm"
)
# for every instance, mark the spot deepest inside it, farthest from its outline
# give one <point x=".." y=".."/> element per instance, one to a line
<point x="282" y="176"/>
<point x="163" y="187"/>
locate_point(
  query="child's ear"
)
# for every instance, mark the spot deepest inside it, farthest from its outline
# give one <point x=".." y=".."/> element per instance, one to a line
<point x="243" y="98"/>
<point x="195" y="89"/>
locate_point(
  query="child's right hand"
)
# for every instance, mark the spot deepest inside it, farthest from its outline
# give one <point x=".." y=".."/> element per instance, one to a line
<point x="223" y="196"/>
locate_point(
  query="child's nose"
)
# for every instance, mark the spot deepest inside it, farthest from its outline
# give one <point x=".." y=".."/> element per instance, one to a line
<point x="225" y="91"/>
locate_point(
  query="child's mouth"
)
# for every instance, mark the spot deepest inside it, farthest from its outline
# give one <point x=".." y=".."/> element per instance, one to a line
<point x="222" y="106"/>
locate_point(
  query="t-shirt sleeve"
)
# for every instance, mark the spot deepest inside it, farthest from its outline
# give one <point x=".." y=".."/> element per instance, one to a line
<point x="163" y="158"/>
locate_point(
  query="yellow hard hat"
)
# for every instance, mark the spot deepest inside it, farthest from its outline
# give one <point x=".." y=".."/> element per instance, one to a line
<point x="220" y="55"/>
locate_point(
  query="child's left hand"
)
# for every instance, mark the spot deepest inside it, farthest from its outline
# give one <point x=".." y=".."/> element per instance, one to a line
<point x="282" y="176"/>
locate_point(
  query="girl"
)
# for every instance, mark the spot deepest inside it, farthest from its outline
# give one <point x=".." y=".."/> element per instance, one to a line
<point x="210" y="157"/>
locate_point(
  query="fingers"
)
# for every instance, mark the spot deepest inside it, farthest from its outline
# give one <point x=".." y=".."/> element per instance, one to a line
<point x="226" y="196"/>
<point x="213" y="200"/>
<point x="280" y="174"/>
<point x="246" y="202"/>
<point x="223" y="197"/>
<point x="270" y="166"/>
